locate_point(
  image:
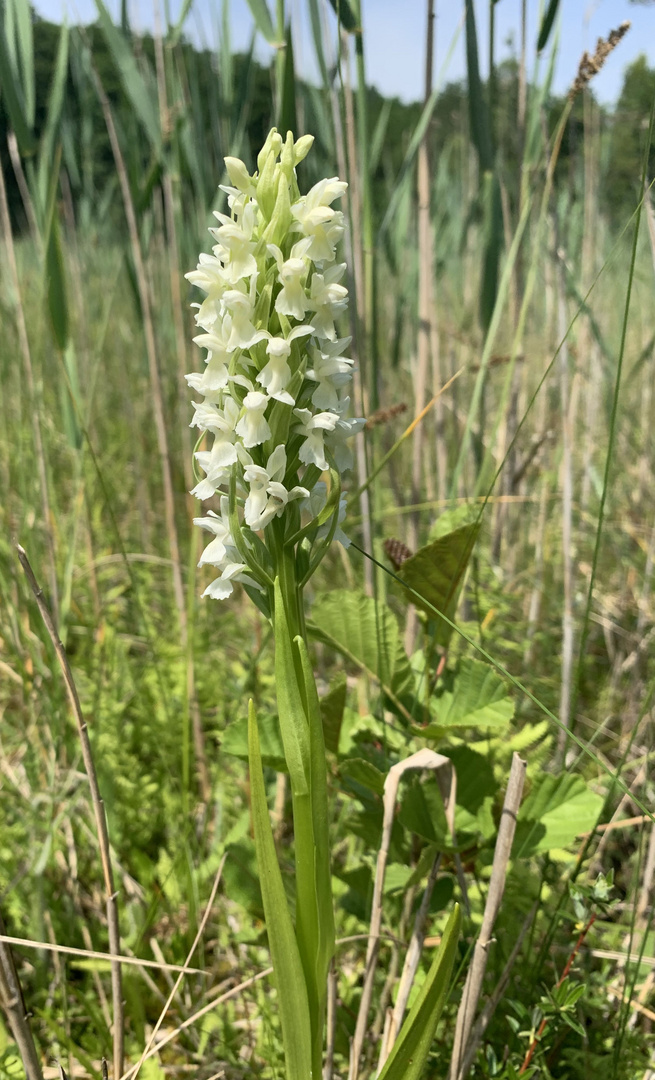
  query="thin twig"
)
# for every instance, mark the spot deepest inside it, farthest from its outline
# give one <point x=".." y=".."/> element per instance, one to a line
<point x="475" y="976"/>
<point x="11" y="1000"/>
<point x="92" y="954"/>
<point x="198" y="1015"/>
<point x="411" y="962"/>
<point x="491" y="1005"/>
<point x="98" y="810"/>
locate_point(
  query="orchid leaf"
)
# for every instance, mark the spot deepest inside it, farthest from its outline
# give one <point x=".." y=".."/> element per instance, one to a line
<point x="410" y="1051"/>
<point x="292" y="992"/>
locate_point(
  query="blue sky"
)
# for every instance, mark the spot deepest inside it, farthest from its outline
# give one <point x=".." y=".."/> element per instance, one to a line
<point x="394" y="35"/>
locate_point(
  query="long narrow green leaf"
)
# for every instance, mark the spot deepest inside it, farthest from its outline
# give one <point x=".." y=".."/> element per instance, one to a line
<point x="410" y="1051"/>
<point x="292" y="992"/>
<point x="55" y="103"/>
<point x="547" y="24"/>
<point x="345" y="14"/>
<point x="14" y="99"/>
<point x="143" y="98"/>
<point x="288" y="117"/>
<point x="25" y="42"/>
<point x="293" y="722"/>
<point x="263" y="21"/>
<point x="56" y="286"/>
<point x="480" y="119"/>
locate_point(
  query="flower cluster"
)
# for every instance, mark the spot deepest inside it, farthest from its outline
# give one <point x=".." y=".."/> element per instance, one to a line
<point x="273" y="389"/>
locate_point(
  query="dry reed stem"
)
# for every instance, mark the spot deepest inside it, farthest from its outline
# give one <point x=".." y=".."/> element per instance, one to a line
<point x="11" y="1000"/>
<point x="410" y="967"/>
<point x="102" y="834"/>
<point x="477" y="967"/>
<point x="445" y="774"/>
<point x="482" y="1022"/>
<point x="93" y="954"/>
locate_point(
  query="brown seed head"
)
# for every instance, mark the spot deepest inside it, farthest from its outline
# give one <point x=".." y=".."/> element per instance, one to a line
<point x="591" y="65"/>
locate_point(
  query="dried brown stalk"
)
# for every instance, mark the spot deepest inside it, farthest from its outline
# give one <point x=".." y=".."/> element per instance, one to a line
<point x="11" y="1000"/>
<point x="98" y="810"/>
<point x="443" y="768"/>
<point x="475" y="976"/>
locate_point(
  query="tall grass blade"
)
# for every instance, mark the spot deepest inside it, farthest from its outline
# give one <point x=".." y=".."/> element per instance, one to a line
<point x="263" y="22"/>
<point x="547" y="24"/>
<point x="142" y="94"/>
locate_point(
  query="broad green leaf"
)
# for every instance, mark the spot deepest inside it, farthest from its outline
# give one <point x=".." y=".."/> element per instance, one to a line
<point x="422" y="810"/>
<point x="292" y="1002"/>
<point x="556" y="811"/>
<point x="454" y="518"/>
<point x="235" y="741"/>
<point x="437" y="571"/>
<point x="365" y="633"/>
<point x="364" y="773"/>
<point x="475" y="696"/>
<point x="332" y="706"/>
<point x="263" y="21"/>
<point x="411" y="1048"/>
<point x="142" y="94"/>
<point x="547" y="24"/>
<point x="475" y="778"/>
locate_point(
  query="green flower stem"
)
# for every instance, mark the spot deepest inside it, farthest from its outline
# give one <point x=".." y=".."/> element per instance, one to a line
<point x="302" y="735"/>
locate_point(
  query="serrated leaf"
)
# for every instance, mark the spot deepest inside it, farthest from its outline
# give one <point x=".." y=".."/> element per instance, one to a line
<point x="556" y="811"/>
<point x="436" y="573"/>
<point x="365" y="633"/>
<point x="477" y="697"/>
<point x="410" y="1051"/>
<point x="292" y="1002"/>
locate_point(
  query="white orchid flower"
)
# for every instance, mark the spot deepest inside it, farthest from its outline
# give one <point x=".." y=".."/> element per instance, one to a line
<point x="253" y="427"/>
<point x="216" y="552"/>
<point x="268" y="495"/>
<point x="343" y="429"/>
<point x="331" y="371"/>
<point x="275" y="376"/>
<point x="327" y="299"/>
<point x="223" y="587"/>
<point x="292" y="298"/>
<point x="235" y="247"/>
<point x="313" y="428"/>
